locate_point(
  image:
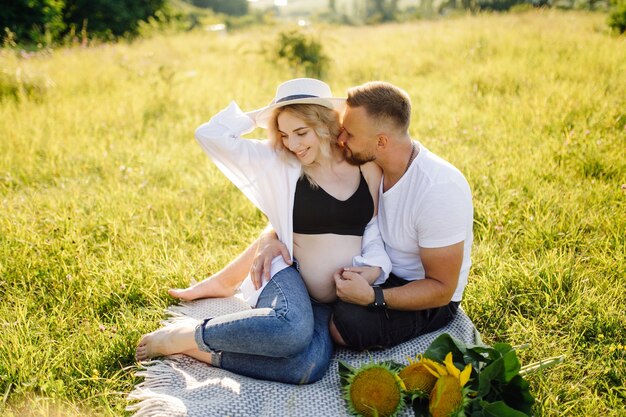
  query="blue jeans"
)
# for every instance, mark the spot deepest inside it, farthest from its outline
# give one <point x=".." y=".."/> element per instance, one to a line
<point x="285" y="338"/>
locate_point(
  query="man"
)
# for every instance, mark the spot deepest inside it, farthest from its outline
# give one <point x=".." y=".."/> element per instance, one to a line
<point x="425" y="216"/>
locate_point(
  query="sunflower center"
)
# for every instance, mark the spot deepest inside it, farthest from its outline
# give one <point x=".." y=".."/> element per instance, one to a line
<point x="375" y="389"/>
<point x="417" y="378"/>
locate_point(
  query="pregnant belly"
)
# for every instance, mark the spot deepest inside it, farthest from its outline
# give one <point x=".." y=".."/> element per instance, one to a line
<point x="319" y="257"/>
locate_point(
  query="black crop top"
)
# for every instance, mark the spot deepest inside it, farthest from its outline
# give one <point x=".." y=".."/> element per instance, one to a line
<point x="317" y="212"/>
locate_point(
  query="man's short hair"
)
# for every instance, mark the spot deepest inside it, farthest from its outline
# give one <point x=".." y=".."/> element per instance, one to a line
<point x="382" y="101"/>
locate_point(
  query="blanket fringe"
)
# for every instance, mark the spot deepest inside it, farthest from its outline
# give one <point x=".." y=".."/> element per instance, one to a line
<point x="153" y="407"/>
<point x="158" y="375"/>
<point x="155" y="373"/>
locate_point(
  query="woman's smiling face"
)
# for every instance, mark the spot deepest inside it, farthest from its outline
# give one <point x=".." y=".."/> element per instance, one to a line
<point x="299" y="138"/>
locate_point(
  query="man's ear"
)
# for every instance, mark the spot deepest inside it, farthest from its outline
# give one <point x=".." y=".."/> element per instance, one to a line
<point x="382" y="141"/>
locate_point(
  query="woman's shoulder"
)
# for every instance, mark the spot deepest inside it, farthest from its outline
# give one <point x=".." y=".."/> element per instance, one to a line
<point x="372" y="172"/>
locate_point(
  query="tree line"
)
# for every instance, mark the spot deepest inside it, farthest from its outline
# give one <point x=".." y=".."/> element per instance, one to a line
<point x="47" y="22"/>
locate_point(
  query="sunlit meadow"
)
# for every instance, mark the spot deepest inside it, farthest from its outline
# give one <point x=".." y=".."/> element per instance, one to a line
<point x="106" y="200"/>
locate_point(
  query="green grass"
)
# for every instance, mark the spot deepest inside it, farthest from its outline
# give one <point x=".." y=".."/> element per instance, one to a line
<point x="106" y="200"/>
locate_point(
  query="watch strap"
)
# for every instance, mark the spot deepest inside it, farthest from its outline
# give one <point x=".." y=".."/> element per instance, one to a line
<point x="379" y="298"/>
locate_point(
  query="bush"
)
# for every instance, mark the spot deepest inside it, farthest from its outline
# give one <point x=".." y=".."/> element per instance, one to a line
<point x="521" y="8"/>
<point x="617" y="16"/>
<point x="302" y="53"/>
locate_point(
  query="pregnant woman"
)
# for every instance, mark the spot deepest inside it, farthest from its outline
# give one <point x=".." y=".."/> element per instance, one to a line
<point x="321" y="207"/>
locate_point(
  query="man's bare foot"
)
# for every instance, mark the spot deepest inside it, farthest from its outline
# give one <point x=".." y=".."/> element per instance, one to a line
<point x="168" y="340"/>
<point x="212" y="287"/>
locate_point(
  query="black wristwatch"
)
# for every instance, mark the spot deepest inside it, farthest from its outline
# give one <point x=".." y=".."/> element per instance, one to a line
<point x="379" y="298"/>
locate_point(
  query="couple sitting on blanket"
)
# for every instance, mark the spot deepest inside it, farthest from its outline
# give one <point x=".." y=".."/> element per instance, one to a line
<point x="371" y="235"/>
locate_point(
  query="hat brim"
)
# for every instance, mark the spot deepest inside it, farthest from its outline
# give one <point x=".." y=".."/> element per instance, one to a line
<point x="263" y="114"/>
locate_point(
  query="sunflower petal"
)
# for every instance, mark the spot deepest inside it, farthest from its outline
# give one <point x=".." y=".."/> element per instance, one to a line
<point x="436" y="369"/>
<point x="452" y="370"/>
<point x="465" y="374"/>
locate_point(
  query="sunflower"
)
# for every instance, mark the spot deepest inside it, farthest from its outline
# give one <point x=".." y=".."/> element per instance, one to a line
<point x="374" y="390"/>
<point x="417" y="377"/>
<point x="448" y="398"/>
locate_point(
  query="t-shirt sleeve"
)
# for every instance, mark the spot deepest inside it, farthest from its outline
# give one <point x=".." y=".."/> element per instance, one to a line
<point x="444" y="215"/>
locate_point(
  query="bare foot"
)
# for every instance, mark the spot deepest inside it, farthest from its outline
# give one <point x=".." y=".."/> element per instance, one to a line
<point x="212" y="287"/>
<point x="166" y="341"/>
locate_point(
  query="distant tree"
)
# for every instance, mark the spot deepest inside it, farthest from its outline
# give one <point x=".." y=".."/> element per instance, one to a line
<point x="30" y="20"/>
<point x="470" y="4"/>
<point x="617" y="16"/>
<point x="229" y="7"/>
<point x="109" y="18"/>
<point x="497" y="5"/>
<point x="426" y="8"/>
<point x="383" y="10"/>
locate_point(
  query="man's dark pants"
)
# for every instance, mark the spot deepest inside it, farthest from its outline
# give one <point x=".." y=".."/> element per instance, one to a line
<point x="367" y="328"/>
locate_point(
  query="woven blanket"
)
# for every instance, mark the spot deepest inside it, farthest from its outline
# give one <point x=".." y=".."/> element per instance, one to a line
<point x="182" y="386"/>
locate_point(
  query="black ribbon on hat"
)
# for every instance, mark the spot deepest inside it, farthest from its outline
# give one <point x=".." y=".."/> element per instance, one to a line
<point x="296" y="97"/>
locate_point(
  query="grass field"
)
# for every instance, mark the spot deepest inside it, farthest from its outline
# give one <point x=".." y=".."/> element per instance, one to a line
<point x="106" y="200"/>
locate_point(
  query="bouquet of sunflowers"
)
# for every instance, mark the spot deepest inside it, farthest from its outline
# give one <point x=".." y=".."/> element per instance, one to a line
<point x="451" y="379"/>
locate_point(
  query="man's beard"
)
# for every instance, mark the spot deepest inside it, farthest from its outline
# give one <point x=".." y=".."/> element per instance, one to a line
<point x="355" y="158"/>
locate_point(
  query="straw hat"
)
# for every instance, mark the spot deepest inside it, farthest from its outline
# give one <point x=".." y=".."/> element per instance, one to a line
<point x="298" y="91"/>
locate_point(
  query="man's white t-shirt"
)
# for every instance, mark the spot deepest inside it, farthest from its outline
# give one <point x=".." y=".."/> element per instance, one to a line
<point x="429" y="207"/>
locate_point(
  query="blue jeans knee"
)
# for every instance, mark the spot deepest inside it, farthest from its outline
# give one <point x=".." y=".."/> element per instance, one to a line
<point x="306" y="367"/>
<point x="281" y="325"/>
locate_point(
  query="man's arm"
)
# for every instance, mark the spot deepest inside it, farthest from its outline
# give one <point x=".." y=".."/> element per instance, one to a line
<point x="442" y="267"/>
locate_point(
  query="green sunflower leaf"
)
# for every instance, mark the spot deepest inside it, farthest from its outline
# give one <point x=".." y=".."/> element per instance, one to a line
<point x="443" y="345"/>
<point x="517" y="395"/>
<point x="499" y="409"/>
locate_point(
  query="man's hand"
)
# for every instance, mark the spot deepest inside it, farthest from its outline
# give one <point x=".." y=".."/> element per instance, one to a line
<point x="352" y="287"/>
<point x="269" y="247"/>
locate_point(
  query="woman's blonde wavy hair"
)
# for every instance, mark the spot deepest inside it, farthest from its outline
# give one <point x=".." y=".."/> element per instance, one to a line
<point x="325" y="123"/>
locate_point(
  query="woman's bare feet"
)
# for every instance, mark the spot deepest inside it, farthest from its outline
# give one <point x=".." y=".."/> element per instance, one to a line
<point x="168" y="340"/>
<point x="212" y="287"/>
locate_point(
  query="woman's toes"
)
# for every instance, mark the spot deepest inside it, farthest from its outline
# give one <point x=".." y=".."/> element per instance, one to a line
<point x="141" y="353"/>
<point x="185" y="294"/>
